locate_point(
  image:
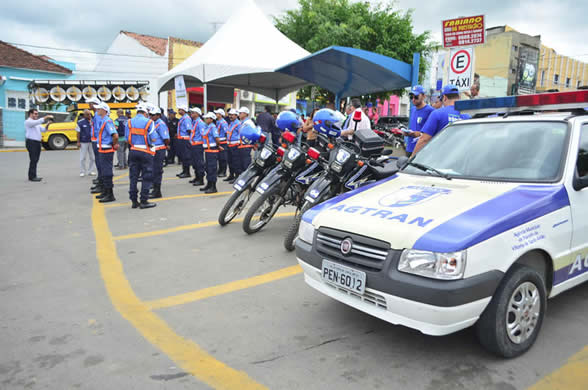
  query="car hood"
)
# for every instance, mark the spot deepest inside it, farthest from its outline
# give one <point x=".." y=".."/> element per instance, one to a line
<point x="430" y="213"/>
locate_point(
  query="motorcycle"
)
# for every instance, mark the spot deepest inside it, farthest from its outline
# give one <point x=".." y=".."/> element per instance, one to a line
<point x="284" y="185"/>
<point x="265" y="160"/>
<point x="350" y="165"/>
<point x="393" y="136"/>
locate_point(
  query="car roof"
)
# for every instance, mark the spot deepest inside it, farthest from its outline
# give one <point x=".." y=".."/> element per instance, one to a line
<point x="556" y="116"/>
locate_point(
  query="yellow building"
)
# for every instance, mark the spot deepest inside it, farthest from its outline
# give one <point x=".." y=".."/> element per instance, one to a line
<point x="560" y="72"/>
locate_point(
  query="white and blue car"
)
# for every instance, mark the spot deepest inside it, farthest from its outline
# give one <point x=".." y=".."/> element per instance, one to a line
<point x="484" y="225"/>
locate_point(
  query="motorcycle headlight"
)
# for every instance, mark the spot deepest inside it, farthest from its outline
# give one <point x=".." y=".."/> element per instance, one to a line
<point x="342" y="156"/>
<point x="446" y="266"/>
<point x="306" y="232"/>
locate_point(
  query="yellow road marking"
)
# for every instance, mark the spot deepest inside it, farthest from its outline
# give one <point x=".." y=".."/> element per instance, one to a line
<point x="172" y="198"/>
<point x="12" y="150"/>
<point x="571" y="376"/>
<point x="117" y="178"/>
<point x="165" y="178"/>
<point x="184" y="227"/>
<point x="185" y="353"/>
<point x="224" y="288"/>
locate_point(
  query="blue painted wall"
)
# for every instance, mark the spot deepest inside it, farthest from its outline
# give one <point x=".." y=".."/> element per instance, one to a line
<point x="13" y="119"/>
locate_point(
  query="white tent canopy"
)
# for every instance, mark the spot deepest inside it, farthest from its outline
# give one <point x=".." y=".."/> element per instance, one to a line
<point x="228" y="59"/>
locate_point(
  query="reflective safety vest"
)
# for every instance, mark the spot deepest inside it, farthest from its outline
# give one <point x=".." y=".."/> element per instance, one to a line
<point x="233" y="140"/>
<point x="208" y="143"/>
<point x="160" y="147"/>
<point x="104" y="148"/>
<point x="140" y="132"/>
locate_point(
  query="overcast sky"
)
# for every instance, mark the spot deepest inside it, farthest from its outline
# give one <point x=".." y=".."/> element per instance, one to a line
<point x="73" y="25"/>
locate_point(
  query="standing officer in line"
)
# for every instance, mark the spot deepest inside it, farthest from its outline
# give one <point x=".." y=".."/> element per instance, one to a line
<point x="197" y="150"/>
<point x="222" y="128"/>
<point x="233" y="143"/>
<point x="93" y="103"/>
<point x="173" y="130"/>
<point x="244" y="149"/>
<point x="140" y="135"/>
<point x="161" y="142"/>
<point x="212" y="147"/>
<point x="107" y="144"/>
<point x="183" y="137"/>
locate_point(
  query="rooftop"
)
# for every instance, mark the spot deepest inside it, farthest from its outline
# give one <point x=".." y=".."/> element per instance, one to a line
<point x="13" y="57"/>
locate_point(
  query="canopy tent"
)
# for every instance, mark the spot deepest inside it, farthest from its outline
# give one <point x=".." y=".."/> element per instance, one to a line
<point x="228" y="60"/>
<point x="347" y="71"/>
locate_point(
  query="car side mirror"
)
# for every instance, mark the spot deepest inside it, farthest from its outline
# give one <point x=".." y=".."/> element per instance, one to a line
<point x="401" y="162"/>
<point x="580" y="182"/>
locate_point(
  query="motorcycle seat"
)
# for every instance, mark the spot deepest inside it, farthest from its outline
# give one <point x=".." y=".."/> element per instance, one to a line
<point x="387" y="170"/>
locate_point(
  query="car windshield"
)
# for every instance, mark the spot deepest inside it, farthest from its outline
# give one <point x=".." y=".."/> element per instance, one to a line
<point x="509" y="151"/>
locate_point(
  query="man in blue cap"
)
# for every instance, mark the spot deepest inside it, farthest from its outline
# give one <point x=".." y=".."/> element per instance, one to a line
<point x="440" y="118"/>
<point x="419" y="113"/>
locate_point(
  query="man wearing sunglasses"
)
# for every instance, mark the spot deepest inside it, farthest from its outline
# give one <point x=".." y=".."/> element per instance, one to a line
<point x="33" y="130"/>
<point x="419" y="112"/>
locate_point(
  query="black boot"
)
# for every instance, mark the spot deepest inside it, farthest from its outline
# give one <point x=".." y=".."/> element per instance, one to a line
<point x="206" y="187"/>
<point x="211" y="189"/>
<point x="109" y="196"/>
<point x="97" y="189"/>
<point x="95" y="181"/>
<point x="184" y="175"/>
<point x="193" y="180"/>
<point x="231" y="177"/>
<point x="221" y="174"/>
<point x="199" y="181"/>
<point x="135" y="203"/>
<point x="156" y="193"/>
<point x="146" y="205"/>
<point x="102" y="194"/>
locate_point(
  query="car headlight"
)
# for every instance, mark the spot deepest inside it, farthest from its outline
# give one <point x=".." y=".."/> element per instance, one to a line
<point x="342" y="156"/>
<point x="447" y="266"/>
<point x="306" y="232"/>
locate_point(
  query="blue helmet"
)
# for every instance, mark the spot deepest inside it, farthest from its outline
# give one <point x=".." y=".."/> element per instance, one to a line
<point x="328" y="122"/>
<point x="250" y="134"/>
<point x="288" y="121"/>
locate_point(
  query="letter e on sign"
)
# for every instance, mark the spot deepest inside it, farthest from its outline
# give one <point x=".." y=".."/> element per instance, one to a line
<point x="460" y="61"/>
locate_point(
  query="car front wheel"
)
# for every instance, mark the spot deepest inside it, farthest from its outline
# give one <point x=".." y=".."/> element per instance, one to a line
<point x="510" y="324"/>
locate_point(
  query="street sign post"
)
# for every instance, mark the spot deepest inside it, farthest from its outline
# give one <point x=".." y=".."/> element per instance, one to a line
<point x="463" y="31"/>
<point x="460" y="67"/>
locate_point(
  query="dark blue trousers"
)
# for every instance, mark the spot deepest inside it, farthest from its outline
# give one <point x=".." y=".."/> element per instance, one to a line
<point x="245" y="158"/>
<point x="234" y="162"/>
<point x="140" y="163"/>
<point x="198" y="160"/>
<point x="105" y="164"/>
<point x="222" y="159"/>
<point x="211" y="166"/>
<point x="184" y="150"/>
<point x="158" y="166"/>
<point x="97" y="160"/>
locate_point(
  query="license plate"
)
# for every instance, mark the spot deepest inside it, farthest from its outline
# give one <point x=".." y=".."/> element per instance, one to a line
<point x="342" y="276"/>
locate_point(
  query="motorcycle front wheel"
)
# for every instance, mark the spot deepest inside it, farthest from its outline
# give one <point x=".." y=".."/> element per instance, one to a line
<point x="292" y="232"/>
<point x="234" y="206"/>
<point x="262" y="211"/>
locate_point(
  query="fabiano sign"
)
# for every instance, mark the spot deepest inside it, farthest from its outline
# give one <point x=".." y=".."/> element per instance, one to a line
<point x="463" y="31"/>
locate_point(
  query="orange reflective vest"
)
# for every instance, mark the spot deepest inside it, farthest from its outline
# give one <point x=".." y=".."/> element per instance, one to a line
<point x="141" y="132"/>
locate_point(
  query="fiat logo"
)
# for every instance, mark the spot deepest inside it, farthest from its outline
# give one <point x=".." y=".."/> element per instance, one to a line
<point x="346" y="246"/>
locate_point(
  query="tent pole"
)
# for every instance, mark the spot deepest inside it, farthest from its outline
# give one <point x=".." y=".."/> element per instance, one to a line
<point x="337" y="102"/>
<point x="416" y="59"/>
<point x="277" y="105"/>
<point x="205" y="99"/>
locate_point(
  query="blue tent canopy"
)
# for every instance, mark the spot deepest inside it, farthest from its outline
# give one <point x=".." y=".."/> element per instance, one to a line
<point x="347" y="71"/>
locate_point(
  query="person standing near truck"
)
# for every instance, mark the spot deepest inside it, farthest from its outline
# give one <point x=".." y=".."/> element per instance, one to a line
<point x="84" y="132"/>
<point x="33" y="130"/>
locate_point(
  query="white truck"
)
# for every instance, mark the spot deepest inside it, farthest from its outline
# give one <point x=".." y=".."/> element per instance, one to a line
<point x="485" y="224"/>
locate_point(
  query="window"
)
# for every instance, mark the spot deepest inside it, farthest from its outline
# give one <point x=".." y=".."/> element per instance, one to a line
<point x="568" y="80"/>
<point x="542" y="78"/>
<point x="555" y="79"/>
<point x="11" y="102"/>
<point x="17" y="100"/>
<point x="515" y="47"/>
<point x="582" y="162"/>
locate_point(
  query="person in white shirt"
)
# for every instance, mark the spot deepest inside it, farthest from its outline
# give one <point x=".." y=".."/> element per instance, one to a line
<point x="364" y="123"/>
<point x="33" y="129"/>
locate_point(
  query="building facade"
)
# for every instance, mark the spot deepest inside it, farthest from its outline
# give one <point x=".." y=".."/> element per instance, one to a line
<point x="17" y="69"/>
<point x="558" y="72"/>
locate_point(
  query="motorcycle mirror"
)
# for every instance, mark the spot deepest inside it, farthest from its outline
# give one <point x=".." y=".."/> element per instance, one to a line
<point x="401" y="162"/>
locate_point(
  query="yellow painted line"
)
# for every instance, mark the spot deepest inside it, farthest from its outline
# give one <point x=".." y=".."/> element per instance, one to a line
<point x="184" y="227"/>
<point x="172" y="198"/>
<point x="571" y="376"/>
<point x="185" y="353"/>
<point x="12" y="150"/>
<point x="117" y="178"/>
<point x="165" y="179"/>
<point x="224" y="288"/>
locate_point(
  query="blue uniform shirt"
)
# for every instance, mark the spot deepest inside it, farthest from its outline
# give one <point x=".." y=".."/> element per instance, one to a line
<point x="85" y="129"/>
<point x="198" y="126"/>
<point x="184" y="126"/>
<point x="139" y="122"/>
<point x="95" y="127"/>
<point x="161" y="133"/>
<point x="233" y="132"/>
<point x="222" y="128"/>
<point x="440" y="118"/>
<point x="106" y="130"/>
<point x="211" y="132"/>
<point x="418" y="118"/>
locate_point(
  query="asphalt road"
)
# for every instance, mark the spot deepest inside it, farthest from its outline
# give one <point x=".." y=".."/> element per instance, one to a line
<point x="96" y="297"/>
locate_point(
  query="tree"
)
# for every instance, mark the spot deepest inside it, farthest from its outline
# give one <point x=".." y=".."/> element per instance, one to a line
<point x="377" y="27"/>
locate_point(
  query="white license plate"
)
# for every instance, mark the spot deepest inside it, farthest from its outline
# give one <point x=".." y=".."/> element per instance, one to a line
<point x="342" y="276"/>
